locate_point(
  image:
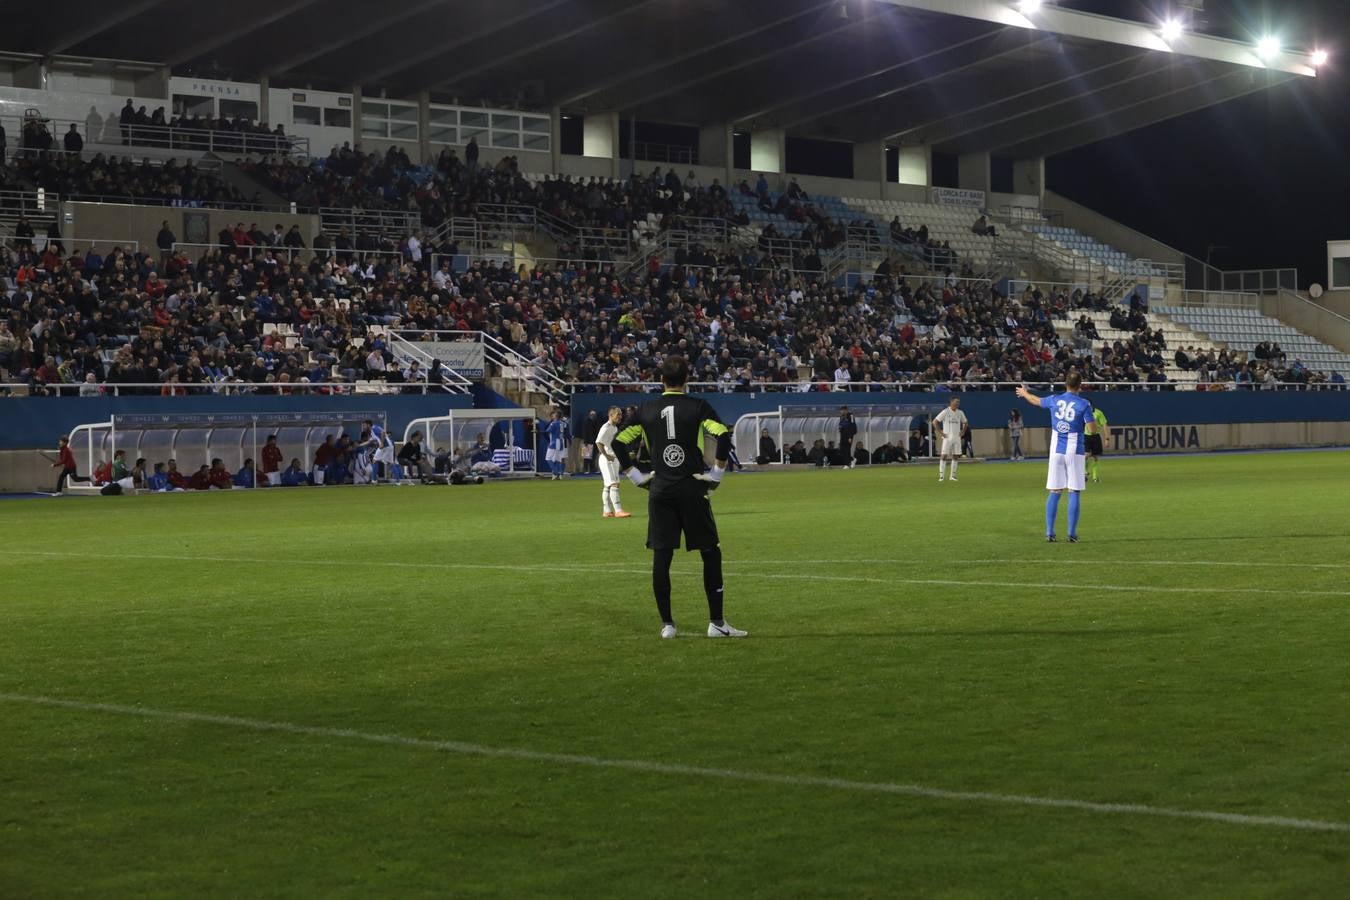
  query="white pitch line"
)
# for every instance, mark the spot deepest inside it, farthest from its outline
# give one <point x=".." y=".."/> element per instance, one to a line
<point x="1069" y="562"/>
<point x="660" y="768"/>
<point x="775" y="576"/>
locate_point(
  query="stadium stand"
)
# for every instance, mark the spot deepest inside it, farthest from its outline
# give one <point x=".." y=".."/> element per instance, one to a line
<point x="1252" y="333"/>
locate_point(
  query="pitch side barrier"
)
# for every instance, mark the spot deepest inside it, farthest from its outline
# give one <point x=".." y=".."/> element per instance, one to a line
<point x="1140" y="421"/>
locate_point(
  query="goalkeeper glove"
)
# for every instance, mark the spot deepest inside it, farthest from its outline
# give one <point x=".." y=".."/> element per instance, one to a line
<point x="713" y="477"/>
<point x="640" y="478"/>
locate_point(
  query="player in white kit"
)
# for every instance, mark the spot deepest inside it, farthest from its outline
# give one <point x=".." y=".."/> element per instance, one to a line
<point x="949" y="424"/>
<point x="609" y="465"/>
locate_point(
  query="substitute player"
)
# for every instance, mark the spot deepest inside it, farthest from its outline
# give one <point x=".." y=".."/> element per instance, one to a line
<point x="673" y="427"/>
<point x="1070" y="420"/>
<point x="609" y="466"/>
<point x="949" y="425"/>
<point x="1095" y="445"/>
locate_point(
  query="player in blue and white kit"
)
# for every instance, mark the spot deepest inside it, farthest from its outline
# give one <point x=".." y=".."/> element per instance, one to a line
<point x="380" y="450"/>
<point x="1071" y="421"/>
<point x="558" y="436"/>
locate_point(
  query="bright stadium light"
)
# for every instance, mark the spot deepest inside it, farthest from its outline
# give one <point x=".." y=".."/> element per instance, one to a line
<point x="1170" y="30"/>
<point x="1029" y="6"/>
<point x="1268" y="47"/>
<point x="1319" y="58"/>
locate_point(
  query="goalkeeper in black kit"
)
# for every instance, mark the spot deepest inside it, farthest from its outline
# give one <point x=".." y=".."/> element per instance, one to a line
<point x="673" y="427"/>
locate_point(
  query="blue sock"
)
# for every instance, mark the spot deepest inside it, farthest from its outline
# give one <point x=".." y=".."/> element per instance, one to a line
<point x="1073" y="513"/>
<point x="1051" y="510"/>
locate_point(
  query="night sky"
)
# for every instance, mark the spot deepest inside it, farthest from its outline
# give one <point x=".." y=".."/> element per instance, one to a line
<point x="1261" y="180"/>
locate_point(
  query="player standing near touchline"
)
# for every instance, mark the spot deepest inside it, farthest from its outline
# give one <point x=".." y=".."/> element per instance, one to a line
<point x="673" y="425"/>
<point x="1071" y="421"/>
<point x="949" y="425"/>
<point x="609" y="466"/>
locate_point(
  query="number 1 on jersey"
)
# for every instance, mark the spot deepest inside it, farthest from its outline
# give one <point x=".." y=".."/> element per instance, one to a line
<point x="669" y="415"/>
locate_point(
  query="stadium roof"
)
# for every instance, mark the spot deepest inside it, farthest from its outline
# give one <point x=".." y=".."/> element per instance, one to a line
<point x="963" y="75"/>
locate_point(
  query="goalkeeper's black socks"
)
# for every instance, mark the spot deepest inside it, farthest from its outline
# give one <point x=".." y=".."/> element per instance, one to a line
<point x="712" y="583"/>
<point x="661" y="560"/>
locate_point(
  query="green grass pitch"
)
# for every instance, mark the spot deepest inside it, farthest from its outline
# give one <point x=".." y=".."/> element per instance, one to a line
<point x="321" y="692"/>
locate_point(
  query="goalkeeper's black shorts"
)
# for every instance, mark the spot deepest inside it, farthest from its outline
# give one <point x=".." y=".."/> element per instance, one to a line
<point x="688" y="513"/>
<point x="1093" y="444"/>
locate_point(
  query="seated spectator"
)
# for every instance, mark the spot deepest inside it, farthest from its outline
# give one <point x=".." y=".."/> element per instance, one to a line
<point x="200" y="480"/>
<point x="294" y="475"/>
<point x="412" y="457"/>
<point x="768" y="450"/>
<point x="158" y="480"/>
<point x="176" y="479"/>
<point x="247" y="477"/>
<point x="218" y="476"/>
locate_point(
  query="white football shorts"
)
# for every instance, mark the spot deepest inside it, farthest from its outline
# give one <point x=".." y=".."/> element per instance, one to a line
<point x="609" y="470"/>
<point x="1066" y="472"/>
<point x="951" y="446"/>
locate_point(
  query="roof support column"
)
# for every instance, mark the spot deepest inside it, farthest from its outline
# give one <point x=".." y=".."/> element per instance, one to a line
<point x="973" y="172"/>
<point x="600" y="139"/>
<point x="1029" y="177"/>
<point x="715" y="149"/>
<point x="916" y="165"/>
<point x="768" y="151"/>
<point x="555" y="141"/>
<point x="424" y="127"/>
<point x="265" y="102"/>
<point x="869" y="164"/>
<point x="356" y="116"/>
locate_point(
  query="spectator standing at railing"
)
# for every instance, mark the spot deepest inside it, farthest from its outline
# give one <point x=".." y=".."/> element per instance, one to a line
<point x="165" y="239"/>
<point x="126" y="118"/>
<point x="73" y="141"/>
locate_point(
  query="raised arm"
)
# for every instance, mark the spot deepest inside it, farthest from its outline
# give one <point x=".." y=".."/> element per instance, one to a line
<point x="1028" y="395"/>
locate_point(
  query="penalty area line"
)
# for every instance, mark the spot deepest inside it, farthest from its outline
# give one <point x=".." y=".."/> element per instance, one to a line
<point x="676" y="769"/>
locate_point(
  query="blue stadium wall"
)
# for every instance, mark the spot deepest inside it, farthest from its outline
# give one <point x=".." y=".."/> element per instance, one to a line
<point x="28" y="422"/>
<point x="1140" y="421"/>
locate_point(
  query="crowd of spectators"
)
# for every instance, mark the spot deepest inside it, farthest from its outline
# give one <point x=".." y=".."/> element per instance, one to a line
<point x="86" y="320"/>
<point x="168" y="183"/>
<point x="313" y="320"/>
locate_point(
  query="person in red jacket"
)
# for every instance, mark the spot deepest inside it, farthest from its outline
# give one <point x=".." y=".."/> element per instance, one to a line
<point x="271" y="461"/>
<point x="200" y="480"/>
<point x="219" y="476"/>
<point x="66" y="463"/>
<point x="177" y="480"/>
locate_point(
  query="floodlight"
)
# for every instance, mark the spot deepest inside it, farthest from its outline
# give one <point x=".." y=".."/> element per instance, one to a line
<point x="1029" y="6"/>
<point x="1319" y="58"/>
<point x="1171" y="30"/>
<point x="1268" y="47"/>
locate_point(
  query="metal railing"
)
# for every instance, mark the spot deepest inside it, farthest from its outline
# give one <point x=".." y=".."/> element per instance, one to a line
<point x="913" y="387"/>
<point x="666" y="153"/>
<point x="1201" y="276"/>
<point x="1219" y="300"/>
<point x="211" y="166"/>
<point x="187" y="203"/>
<point x="358" y="221"/>
<point x="451" y="381"/>
<point x="214" y="388"/>
<point x="195" y="251"/>
<point x="109" y="131"/>
<point x="1029" y="215"/>
<point x="511" y="365"/>
<point x="32" y="205"/>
